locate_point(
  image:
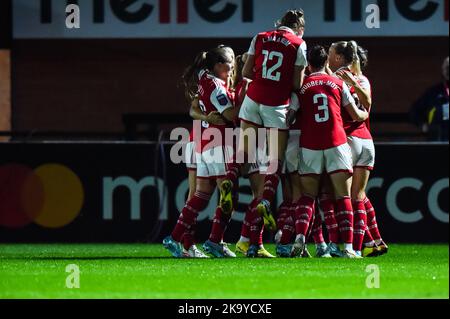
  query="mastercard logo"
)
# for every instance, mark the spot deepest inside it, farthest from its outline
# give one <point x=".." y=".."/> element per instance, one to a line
<point x="50" y="195"/>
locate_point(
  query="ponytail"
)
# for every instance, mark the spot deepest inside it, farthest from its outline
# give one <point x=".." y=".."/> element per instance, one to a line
<point x="189" y="78"/>
<point x="349" y="50"/>
<point x="204" y="60"/>
<point x="356" y="64"/>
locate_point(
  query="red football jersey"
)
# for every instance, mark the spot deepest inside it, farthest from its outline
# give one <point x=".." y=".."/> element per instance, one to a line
<point x="321" y="100"/>
<point x="213" y="96"/>
<point x="276" y="53"/>
<point x="353" y="128"/>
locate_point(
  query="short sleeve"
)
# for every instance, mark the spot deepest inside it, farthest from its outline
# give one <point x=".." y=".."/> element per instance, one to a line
<point x="220" y="99"/>
<point x="252" y="49"/>
<point x="301" y="56"/>
<point x="347" y="97"/>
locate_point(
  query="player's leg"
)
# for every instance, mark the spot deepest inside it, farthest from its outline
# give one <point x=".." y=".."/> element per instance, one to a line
<point x="339" y="166"/>
<point x="188" y="216"/>
<point x="304" y="212"/>
<point x="283" y="210"/>
<point x="274" y="118"/>
<point x="246" y="149"/>
<point x="215" y="245"/>
<point x="317" y="234"/>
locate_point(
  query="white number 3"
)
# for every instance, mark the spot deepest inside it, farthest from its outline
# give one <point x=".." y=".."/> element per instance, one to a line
<point x="322" y="107"/>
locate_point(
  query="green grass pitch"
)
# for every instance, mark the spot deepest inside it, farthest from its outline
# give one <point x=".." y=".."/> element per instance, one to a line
<point x="146" y="271"/>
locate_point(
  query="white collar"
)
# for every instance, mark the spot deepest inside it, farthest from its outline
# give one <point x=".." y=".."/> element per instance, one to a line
<point x="210" y="75"/>
<point x="317" y="73"/>
<point x="284" y="28"/>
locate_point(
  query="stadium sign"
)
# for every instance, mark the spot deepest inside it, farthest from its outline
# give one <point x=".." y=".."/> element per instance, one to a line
<point x="85" y="192"/>
<point x="226" y="18"/>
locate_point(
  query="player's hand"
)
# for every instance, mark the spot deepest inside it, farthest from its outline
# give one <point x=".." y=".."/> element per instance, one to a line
<point x="290" y="117"/>
<point x="215" y="118"/>
<point x="347" y="77"/>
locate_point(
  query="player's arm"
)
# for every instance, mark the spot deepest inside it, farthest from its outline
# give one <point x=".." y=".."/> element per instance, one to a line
<point x="294" y="106"/>
<point x="349" y="104"/>
<point x="197" y="114"/>
<point x="363" y="91"/>
<point x="223" y="104"/>
<point x="249" y="65"/>
<point x="300" y="66"/>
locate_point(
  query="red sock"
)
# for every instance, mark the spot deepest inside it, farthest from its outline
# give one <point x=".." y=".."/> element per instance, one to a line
<point x="288" y="230"/>
<point x="188" y="237"/>
<point x="316" y="229"/>
<point x="283" y="213"/>
<point x="368" y="239"/>
<point x="359" y="223"/>
<point x="189" y="214"/>
<point x="372" y="220"/>
<point x="234" y="168"/>
<point x="303" y="214"/>
<point x="271" y="182"/>
<point x="344" y="216"/>
<point x="256" y="227"/>
<point x="245" y="229"/>
<point x="327" y="206"/>
<point x="220" y="223"/>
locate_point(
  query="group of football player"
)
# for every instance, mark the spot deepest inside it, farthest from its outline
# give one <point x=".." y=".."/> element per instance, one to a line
<point x="314" y="106"/>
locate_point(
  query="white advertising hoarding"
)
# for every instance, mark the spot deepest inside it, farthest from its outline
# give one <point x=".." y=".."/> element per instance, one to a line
<point x="226" y="18"/>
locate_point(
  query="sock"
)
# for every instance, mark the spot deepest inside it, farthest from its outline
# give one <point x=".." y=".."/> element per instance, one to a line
<point x="348" y="247"/>
<point x="256" y="226"/>
<point x="288" y="230"/>
<point x="372" y="221"/>
<point x="321" y="245"/>
<point x="300" y="238"/>
<point x="316" y="229"/>
<point x="234" y="168"/>
<point x="245" y="229"/>
<point x="244" y="239"/>
<point x="220" y="223"/>
<point x="303" y="214"/>
<point x="327" y="206"/>
<point x="189" y="214"/>
<point x="271" y="182"/>
<point x="344" y="216"/>
<point x="283" y="213"/>
<point x="359" y="224"/>
<point x="188" y="237"/>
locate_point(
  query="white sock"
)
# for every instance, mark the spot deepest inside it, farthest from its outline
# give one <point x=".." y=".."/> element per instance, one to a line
<point x="244" y="239"/>
<point x="300" y="238"/>
<point x="358" y="252"/>
<point x="321" y="245"/>
<point x="348" y="247"/>
<point x="378" y="242"/>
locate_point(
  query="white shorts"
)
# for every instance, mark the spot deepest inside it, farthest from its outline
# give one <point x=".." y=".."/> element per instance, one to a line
<point x="332" y="160"/>
<point x="291" y="162"/>
<point x="363" y="152"/>
<point x="264" y="115"/>
<point x="189" y="156"/>
<point x="212" y="163"/>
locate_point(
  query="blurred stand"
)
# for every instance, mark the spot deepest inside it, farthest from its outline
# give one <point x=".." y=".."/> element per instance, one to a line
<point x="430" y="112"/>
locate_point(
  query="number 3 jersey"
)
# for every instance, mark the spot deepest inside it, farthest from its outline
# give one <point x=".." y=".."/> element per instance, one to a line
<point x="214" y="96"/>
<point x="322" y="99"/>
<point x="276" y="52"/>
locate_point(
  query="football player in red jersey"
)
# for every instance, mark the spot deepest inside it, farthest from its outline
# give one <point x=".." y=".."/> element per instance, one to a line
<point x="346" y="60"/>
<point x="251" y="233"/>
<point x="207" y="78"/>
<point x="276" y="62"/>
<point x="323" y="149"/>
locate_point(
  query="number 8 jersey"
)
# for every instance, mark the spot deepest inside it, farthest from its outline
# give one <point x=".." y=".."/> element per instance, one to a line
<point x="276" y="52"/>
<point x="322" y="98"/>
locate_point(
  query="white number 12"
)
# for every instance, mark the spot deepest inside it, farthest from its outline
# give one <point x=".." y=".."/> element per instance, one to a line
<point x="269" y="74"/>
